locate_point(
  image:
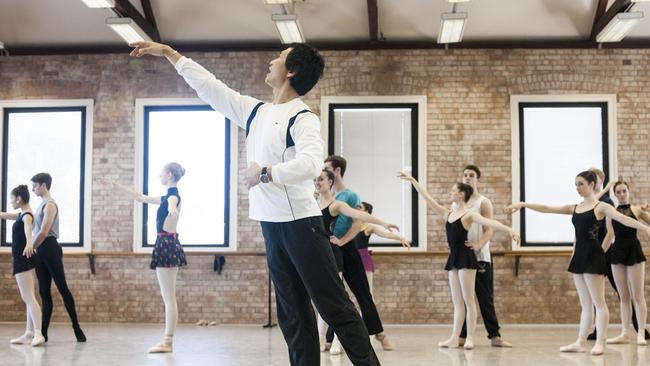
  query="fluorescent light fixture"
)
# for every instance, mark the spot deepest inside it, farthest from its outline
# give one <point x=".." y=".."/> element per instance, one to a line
<point x="127" y="29"/>
<point x="278" y="2"/>
<point x="619" y="27"/>
<point x="288" y="27"/>
<point x="452" y="27"/>
<point x="99" y="3"/>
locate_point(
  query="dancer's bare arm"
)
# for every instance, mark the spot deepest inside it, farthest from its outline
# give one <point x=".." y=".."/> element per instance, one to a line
<point x="562" y="210"/>
<point x="134" y="195"/>
<point x="440" y="209"/>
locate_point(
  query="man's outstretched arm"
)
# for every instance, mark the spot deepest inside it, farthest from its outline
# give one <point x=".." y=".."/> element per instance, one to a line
<point x="221" y="98"/>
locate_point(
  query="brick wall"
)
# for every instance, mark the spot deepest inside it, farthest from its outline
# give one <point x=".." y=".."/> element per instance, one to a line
<point x="468" y="121"/>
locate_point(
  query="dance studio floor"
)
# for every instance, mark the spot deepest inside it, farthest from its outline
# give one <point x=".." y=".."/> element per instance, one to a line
<point x="126" y="344"/>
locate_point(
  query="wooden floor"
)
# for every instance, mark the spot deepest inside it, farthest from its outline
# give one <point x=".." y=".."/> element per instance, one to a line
<point x="126" y="344"/>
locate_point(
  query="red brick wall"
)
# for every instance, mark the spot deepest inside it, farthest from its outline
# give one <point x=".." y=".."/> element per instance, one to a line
<point x="468" y="121"/>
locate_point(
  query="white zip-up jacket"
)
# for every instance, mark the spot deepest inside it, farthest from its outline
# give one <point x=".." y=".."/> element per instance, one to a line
<point x="290" y="196"/>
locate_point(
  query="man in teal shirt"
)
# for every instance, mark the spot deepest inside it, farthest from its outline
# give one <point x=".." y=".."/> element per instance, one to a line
<point x="353" y="271"/>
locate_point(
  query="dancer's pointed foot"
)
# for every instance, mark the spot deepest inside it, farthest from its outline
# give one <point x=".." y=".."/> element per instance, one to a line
<point x="165" y="346"/>
<point x="385" y="343"/>
<point x="469" y="343"/>
<point x="449" y="343"/>
<point x="599" y="348"/>
<point x="498" y="342"/>
<point x="576" y="347"/>
<point x="23" y="339"/>
<point x="623" y="338"/>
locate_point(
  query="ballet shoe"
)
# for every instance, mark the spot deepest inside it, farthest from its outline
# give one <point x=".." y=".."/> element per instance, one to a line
<point x="23" y="339"/>
<point x="212" y="324"/>
<point x="327" y="346"/>
<point x="202" y="323"/>
<point x="469" y="344"/>
<point x="573" y="347"/>
<point x="385" y="343"/>
<point x="598" y="349"/>
<point x="641" y="340"/>
<point x="162" y="347"/>
<point x="336" y="348"/>
<point x="450" y="343"/>
<point x="498" y="342"/>
<point x="38" y="340"/>
<point x="623" y="338"/>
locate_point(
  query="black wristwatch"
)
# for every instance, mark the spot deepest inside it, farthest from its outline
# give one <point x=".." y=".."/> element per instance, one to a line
<point x="264" y="176"/>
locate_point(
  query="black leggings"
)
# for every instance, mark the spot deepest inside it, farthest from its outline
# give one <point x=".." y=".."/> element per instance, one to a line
<point x="50" y="267"/>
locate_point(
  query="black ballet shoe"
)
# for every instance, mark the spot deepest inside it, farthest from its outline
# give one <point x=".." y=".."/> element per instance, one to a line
<point x="592" y="337"/>
<point x="647" y="335"/>
<point x="81" y="337"/>
<point x="45" y="336"/>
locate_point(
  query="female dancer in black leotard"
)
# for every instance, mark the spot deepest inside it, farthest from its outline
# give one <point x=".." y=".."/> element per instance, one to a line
<point x="361" y="233"/>
<point x="461" y="263"/>
<point x="588" y="263"/>
<point x="331" y="208"/>
<point x="628" y="267"/>
<point x="168" y="254"/>
<point x="22" y="251"/>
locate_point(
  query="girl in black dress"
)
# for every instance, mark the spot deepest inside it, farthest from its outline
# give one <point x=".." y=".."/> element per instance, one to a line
<point x="588" y="263"/>
<point x="628" y="267"/>
<point x="461" y="263"/>
<point x="22" y="250"/>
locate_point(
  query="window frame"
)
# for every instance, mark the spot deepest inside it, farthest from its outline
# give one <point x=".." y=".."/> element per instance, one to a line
<point x="86" y="107"/>
<point x="143" y="105"/>
<point x="418" y="103"/>
<point x="610" y="167"/>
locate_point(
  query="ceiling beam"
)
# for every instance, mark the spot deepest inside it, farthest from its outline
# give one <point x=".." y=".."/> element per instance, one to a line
<point x="148" y="13"/>
<point x="329" y="46"/>
<point x="373" y="20"/>
<point x="126" y="9"/>
<point x="601" y="7"/>
<point x="602" y="21"/>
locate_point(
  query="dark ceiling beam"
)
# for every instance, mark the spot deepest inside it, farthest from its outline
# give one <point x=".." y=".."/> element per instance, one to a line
<point x="601" y="7"/>
<point x="601" y="22"/>
<point x="373" y="20"/>
<point x="126" y="9"/>
<point x="330" y="46"/>
<point x="148" y="13"/>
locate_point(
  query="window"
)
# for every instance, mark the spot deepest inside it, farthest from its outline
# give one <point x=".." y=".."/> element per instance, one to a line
<point x="379" y="137"/>
<point x="556" y="140"/>
<point x="199" y="139"/>
<point x="53" y="137"/>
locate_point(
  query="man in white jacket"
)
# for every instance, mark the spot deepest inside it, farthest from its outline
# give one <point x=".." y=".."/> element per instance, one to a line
<point x="284" y="152"/>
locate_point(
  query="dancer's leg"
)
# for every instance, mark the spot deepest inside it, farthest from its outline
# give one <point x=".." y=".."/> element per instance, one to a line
<point x="621" y="277"/>
<point x="167" y="283"/>
<point x="459" y="310"/>
<point x="596" y="285"/>
<point x="467" y="278"/>
<point x="586" y="315"/>
<point x="636" y="278"/>
<point x="27" y="289"/>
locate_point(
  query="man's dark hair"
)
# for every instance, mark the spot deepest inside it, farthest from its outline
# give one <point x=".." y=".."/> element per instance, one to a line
<point x="41" y="178"/>
<point x="306" y="64"/>
<point x="337" y="161"/>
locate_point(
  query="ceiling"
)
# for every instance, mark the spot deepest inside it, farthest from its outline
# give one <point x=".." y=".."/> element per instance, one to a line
<point x="48" y="23"/>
